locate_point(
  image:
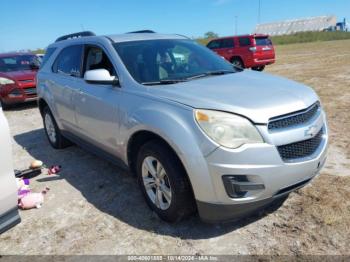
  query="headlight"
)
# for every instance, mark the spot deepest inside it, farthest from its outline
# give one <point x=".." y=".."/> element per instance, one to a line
<point x="226" y="129"/>
<point x="6" y="81"/>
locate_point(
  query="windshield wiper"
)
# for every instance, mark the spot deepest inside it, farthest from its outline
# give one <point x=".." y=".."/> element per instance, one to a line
<point x="164" y="82"/>
<point x="210" y="73"/>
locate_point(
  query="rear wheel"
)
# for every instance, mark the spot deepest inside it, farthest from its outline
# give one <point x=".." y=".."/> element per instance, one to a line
<point x="164" y="182"/>
<point x="237" y="62"/>
<point x="259" y="68"/>
<point x="53" y="133"/>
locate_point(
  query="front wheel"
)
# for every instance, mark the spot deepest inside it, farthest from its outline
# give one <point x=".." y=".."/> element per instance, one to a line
<point x="4" y="105"/>
<point x="164" y="182"/>
<point x="53" y="133"/>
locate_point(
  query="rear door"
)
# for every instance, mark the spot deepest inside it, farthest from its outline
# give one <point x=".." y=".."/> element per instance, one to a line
<point x="8" y="189"/>
<point x="64" y="84"/>
<point x="227" y="47"/>
<point x="264" y="48"/>
<point x="97" y="104"/>
<point x="243" y="50"/>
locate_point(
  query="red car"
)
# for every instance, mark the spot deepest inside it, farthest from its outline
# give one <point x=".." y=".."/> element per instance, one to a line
<point x="246" y="51"/>
<point x="18" y="78"/>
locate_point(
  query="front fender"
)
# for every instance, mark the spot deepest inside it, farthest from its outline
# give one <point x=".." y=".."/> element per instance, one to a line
<point x="177" y="127"/>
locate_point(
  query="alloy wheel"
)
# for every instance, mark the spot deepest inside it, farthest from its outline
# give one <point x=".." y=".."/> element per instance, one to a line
<point x="50" y="128"/>
<point x="156" y="183"/>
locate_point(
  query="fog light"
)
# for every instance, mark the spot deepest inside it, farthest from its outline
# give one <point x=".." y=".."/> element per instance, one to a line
<point x="238" y="186"/>
<point x="15" y="93"/>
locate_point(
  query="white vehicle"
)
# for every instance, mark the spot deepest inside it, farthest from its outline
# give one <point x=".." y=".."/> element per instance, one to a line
<point x="8" y="189"/>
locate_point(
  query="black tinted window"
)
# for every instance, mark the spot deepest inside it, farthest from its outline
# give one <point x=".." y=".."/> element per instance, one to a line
<point x="227" y="43"/>
<point x="214" y="44"/>
<point x="47" y="55"/>
<point x="263" y="41"/>
<point x="244" y="41"/>
<point x="69" y="61"/>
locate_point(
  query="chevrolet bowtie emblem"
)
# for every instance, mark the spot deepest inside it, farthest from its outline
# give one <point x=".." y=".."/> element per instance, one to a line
<point x="311" y="131"/>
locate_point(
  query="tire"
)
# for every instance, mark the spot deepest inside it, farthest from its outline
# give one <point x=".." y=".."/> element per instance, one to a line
<point x="53" y="133"/>
<point x="236" y="61"/>
<point x="171" y="196"/>
<point x="258" y="68"/>
<point x="4" y="105"/>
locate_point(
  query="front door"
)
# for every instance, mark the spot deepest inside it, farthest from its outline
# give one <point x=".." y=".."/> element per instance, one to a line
<point x="97" y="104"/>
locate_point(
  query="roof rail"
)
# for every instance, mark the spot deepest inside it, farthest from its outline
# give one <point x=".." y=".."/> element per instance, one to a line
<point x="142" y="32"/>
<point x="75" y="35"/>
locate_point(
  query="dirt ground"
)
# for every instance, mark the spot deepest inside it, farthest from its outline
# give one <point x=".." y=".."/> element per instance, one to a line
<point x="94" y="207"/>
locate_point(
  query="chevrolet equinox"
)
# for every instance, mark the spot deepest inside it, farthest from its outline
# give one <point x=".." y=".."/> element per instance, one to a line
<point x="200" y="134"/>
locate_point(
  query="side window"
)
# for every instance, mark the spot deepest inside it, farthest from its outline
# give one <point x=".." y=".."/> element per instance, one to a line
<point x="96" y="58"/>
<point x="214" y="44"/>
<point x="47" y="55"/>
<point x="244" y="41"/>
<point x="227" y="43"/>
<point x="68" y="61"/>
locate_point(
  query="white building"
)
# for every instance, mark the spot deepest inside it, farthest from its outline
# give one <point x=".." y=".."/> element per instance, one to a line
<point x="287" y="27"/>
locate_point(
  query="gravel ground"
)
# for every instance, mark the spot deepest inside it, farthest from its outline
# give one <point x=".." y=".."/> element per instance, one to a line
<point x="94" y="207"/>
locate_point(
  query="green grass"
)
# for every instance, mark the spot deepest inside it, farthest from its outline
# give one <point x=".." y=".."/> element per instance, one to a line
<point x="304" y="37"/>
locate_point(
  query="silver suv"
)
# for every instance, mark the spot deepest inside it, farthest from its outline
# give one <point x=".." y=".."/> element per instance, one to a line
<point x="200" y="134"/>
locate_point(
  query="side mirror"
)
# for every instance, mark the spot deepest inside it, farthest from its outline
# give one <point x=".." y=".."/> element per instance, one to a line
<point x="100" y="77"/>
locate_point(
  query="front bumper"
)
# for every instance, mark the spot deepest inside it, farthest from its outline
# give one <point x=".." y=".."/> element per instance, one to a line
<point x="14" y="94"/>
<point x="262" y="165"/>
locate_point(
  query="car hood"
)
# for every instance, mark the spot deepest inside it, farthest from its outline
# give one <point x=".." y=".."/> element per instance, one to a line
<point x="20" y="75"/>
<point x="255" y="95"/>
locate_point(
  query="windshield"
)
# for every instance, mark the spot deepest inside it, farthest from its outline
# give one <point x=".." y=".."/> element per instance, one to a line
<point x="18" y="63"/>
<point x="170" y="61"/>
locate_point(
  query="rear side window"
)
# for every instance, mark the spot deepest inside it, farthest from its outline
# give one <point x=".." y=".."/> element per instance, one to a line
<point x="214" y="44"/>
<point x="263" y="41"/>
<point x="227" y="43"/>
<point x="68" y="61"/>
<point x="47" y="55"/>
<point x="244" y="41"/>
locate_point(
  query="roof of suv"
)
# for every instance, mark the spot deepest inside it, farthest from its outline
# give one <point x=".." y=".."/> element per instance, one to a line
<point x="123" y="37"/>
<point x="235" y="36"/>
<point x="143" y="36"/>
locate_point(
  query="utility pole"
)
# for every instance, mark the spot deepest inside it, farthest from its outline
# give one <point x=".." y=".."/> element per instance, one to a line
<point x="236" y="24"/>
<point x="259" y="12"/>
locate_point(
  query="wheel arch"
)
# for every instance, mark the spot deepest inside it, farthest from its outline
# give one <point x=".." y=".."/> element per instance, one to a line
<point x="42" y="104"/>
<point x="237" y="57"/>
<point x="140" y="138"/>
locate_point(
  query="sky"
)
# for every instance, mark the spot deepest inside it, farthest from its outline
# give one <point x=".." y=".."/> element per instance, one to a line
<point x="31" y="24"/>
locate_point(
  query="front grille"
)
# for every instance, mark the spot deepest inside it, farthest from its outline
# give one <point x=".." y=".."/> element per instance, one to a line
<point x="300" y="149"/>
<point x="26" y="81"/>
<point x="30" y="91"/>
<point x="295" y="118"/>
